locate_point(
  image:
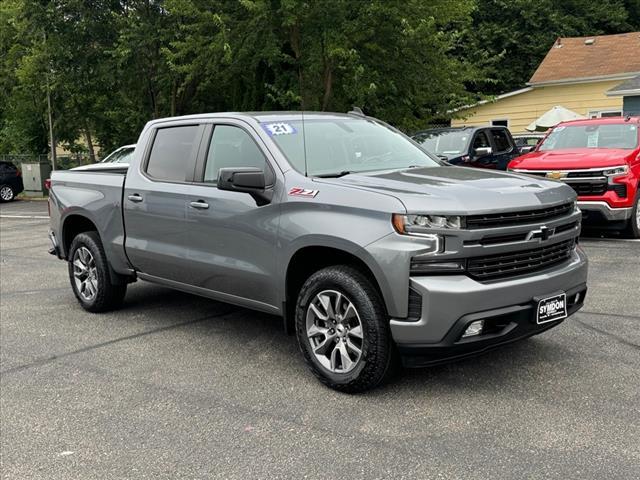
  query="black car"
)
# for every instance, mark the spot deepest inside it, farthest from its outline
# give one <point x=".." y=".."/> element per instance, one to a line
<point x="481" y="147"/>
<point x="10" y="181"/>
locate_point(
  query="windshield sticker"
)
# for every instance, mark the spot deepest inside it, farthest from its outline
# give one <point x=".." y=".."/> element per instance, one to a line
<point x="592" y="140"/>
<point x="303" y="192"/>
<point x="279" y="128"/>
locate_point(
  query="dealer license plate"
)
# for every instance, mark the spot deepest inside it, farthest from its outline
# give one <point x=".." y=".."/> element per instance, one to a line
<point x="552" y="308"/>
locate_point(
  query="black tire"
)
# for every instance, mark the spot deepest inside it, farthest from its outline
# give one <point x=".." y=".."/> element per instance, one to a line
<point x="377" y="358"/>
<point x="7" y="193"/>
<point x="108" y="296"/>
<point x="633" y="227"/>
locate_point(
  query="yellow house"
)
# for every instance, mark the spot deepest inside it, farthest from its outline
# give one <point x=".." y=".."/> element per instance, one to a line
<point x="576" y="74"/>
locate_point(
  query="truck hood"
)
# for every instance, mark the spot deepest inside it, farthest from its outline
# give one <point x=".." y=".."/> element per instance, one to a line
<point x="568" y="159"/>
<point x="460" y="190"/>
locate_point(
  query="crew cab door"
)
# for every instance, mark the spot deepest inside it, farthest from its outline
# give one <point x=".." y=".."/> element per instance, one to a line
<point x="503" y="147"/>
<point x="156" y="197"/>
<point x="481" y="143"/>
<point x="231" y="240"/>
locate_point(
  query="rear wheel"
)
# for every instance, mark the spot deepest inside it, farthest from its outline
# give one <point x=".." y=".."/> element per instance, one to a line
<point x="633" y="227"/>
<point x="6" y="193"/>
<point x="343" y="330"/>
<point x="89" y="275"/>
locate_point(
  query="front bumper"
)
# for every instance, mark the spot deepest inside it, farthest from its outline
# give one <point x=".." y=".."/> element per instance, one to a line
<point x="450" y="303"/>
<point x="605" y="211"/>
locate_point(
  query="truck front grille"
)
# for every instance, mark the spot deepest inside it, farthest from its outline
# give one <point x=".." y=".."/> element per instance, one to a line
<point x="493" y="267"/>
<point x="589" y="188"/>
<point x="508" y="219"/>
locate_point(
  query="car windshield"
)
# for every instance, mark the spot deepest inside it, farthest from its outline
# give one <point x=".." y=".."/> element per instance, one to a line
<point x="125" y="157"/>
<point x="122" y="155"/>
<point x="616" y="135"/>
<point x="346" y="145"/>
<point x="445" y="142"/>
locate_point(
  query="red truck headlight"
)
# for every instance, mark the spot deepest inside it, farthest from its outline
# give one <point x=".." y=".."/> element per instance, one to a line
<point x="616" y="171"/>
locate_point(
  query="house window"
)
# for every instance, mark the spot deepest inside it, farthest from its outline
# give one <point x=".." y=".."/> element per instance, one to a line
<point x="503" y="122"/>
<point x="605" y="113"/>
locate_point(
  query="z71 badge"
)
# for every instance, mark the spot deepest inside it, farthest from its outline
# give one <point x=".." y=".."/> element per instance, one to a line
<point x="303" y="192"/>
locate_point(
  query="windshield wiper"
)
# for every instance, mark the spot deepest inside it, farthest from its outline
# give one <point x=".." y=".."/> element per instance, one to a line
<point x="334" y="175"/>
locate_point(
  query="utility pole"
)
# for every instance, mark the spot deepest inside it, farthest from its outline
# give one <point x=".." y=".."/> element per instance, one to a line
<point x="52" y="138"/>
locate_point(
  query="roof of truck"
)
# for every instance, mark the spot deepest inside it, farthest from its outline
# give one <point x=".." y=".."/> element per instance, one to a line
<point x="266" y="116"/>
<point x="602" y="121"/>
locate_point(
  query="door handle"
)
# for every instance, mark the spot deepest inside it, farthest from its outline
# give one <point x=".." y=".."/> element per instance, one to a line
<point x="136" y="198"/>
<point x="202" y="205"/>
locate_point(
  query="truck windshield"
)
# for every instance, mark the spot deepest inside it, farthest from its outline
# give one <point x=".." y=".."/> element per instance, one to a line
<point x="339" y="146"/>
<point x="617" y="135"/>
<point x="444" y="142"/>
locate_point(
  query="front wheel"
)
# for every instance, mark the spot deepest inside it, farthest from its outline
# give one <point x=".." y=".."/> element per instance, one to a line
<point x="343" y="330"/>
<point x="89" y="275"/>
<point x="633" y="227"/>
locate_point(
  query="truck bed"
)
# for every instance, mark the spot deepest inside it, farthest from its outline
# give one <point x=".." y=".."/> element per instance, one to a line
<point x="96" y="195"/>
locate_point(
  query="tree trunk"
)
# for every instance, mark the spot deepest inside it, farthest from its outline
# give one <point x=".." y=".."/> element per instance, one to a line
<point x="296" y="46"/>
<point x="87" y="136"/>
<point x="174" y="94"/>
<point x="328" y="83"/>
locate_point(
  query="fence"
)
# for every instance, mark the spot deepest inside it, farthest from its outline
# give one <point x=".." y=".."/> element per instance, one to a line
<point x="64" y="162"/>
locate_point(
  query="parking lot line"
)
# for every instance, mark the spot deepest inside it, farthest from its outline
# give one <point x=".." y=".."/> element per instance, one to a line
<point x="25" y="216"/>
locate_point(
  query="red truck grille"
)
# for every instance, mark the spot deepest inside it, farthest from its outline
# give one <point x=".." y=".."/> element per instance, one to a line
<point x="589" y="188"/>
<point x="518" y="263"/>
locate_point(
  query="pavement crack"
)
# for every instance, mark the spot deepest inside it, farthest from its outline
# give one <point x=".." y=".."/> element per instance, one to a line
<point x="617" y="315"/>
<point x="52" y="358"/>
<point x="618" y="339"/>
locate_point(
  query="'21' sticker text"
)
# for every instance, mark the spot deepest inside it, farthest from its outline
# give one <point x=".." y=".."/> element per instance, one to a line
<point x="279" y="128"/>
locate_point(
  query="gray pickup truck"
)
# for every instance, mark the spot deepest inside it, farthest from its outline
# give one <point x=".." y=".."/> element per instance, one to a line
<point x="371" y="249"/>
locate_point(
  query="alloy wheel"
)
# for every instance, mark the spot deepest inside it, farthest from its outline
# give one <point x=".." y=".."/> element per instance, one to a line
<point x="85" y="274"/>
<point x="334" y="331"/>
<point x="6" y="193"/>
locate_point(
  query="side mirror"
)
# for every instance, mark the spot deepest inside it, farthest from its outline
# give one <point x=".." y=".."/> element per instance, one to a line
<point x="249" y="180"/>
<point x="527" y="148"/>
<point x="482" y="152"/>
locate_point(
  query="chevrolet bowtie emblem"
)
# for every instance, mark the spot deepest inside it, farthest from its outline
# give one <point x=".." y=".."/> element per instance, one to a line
<point x="556" y="175"/>
<point x="542" y="234"/>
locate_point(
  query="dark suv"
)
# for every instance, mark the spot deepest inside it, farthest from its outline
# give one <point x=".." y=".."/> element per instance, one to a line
<point x="482" y="147"/>
<point x="10" y="181"/>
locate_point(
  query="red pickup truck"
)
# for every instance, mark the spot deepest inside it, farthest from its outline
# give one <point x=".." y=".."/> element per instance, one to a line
<point x="600" y="159"/>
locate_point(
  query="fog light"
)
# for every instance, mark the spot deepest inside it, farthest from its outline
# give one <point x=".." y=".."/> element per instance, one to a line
<point x="475" y="328"/>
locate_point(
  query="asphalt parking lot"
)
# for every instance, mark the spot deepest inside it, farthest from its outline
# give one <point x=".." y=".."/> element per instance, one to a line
<point x="176" y="386"/>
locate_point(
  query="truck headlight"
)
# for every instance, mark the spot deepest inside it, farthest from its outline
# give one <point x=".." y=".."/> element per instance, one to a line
<point x="615" y="171"/>
<point x="422" y="224"/>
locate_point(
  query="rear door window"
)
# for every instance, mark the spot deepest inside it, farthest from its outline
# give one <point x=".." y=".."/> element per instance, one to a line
<point x="500" y="140"/>
<point x="7" y="168"/>
<point x="173" y="152"/>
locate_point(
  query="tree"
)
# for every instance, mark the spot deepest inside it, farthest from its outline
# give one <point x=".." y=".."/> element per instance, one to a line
<point x="112" y="65"/>
<point x="509" y="38"/>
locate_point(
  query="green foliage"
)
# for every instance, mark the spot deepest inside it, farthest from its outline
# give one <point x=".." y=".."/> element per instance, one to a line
<point x="112" y="65"/>
<point x="509" y="38"/>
